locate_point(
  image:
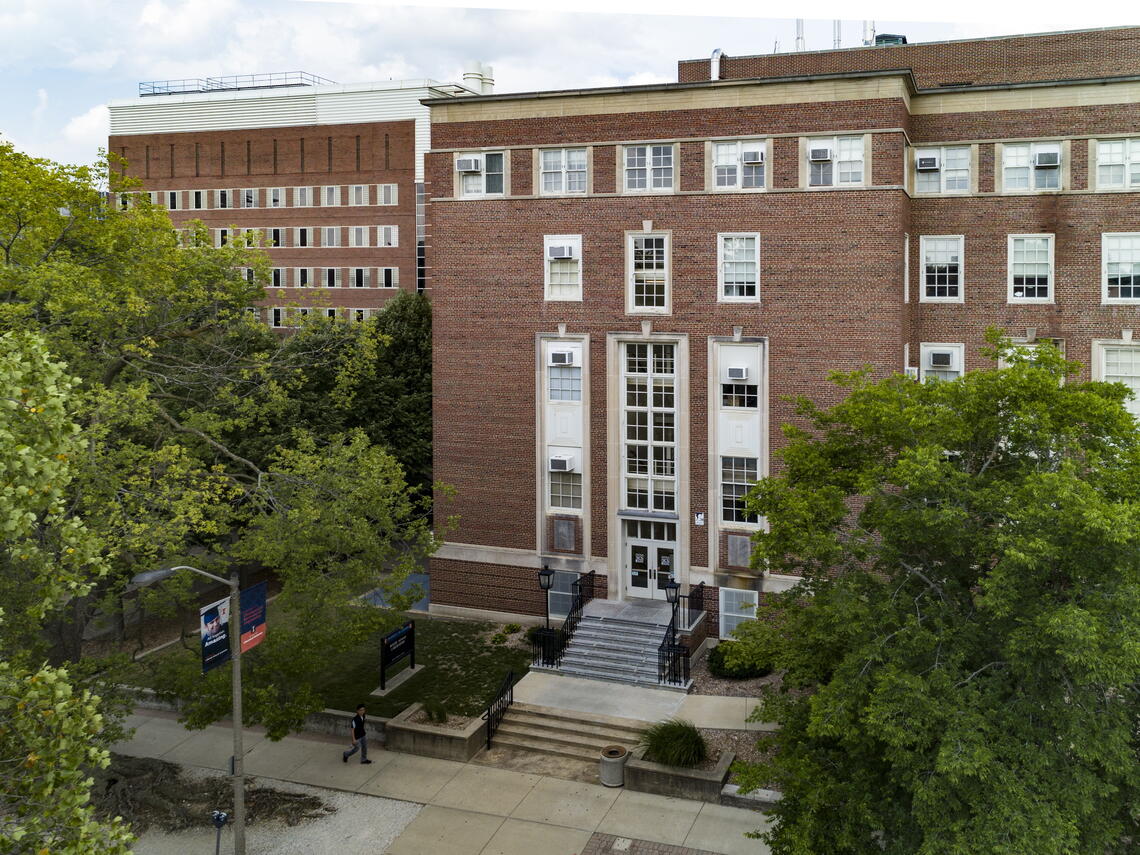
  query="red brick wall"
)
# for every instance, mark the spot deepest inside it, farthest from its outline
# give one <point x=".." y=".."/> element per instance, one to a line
<point x="1016" y="59"/>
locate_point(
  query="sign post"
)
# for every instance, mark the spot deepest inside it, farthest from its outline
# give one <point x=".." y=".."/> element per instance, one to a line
<point x="395" y="646"/>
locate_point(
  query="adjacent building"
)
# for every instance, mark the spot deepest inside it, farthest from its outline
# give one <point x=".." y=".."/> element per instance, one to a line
<point x="629" y="283"/>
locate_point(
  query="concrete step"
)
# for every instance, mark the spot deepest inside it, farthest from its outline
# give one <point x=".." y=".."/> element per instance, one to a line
<point x="564" y="733"/>
<point x="561" y="737"/>
<point x="608" y="672"/>
<point x="557" y="715"/>
<point x="542" y="746"/>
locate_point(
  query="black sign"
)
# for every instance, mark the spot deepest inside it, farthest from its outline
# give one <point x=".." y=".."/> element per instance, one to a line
<point x="395" y="646"/>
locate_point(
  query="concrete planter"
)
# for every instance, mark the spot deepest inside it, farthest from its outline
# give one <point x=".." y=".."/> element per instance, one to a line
<point x="432" y="741"/>
<point x="704" y="786"/>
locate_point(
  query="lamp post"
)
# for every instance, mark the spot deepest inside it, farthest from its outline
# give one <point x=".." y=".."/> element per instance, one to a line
<point x="673" y="596"/>
<point x="151" y="576"/>
<point x="546" y="582"/>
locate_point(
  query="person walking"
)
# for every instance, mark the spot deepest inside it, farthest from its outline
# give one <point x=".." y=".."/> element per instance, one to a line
<point x="359" y="738"/>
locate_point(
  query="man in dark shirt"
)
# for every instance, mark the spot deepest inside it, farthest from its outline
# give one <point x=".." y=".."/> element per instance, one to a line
<point x="359" y="738"/>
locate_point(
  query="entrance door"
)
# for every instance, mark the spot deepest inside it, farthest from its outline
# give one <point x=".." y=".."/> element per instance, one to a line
<point x="649" y="567"/>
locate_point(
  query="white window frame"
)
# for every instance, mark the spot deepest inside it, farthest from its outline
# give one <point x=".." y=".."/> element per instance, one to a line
<point x="651" y="152"/>
<point x="330" y="196"/>
<point x="358" y="236"/>
<point x="738" y="184"/>
<point x="1100" y="348"/>
<point x="307" y="273"/>
<point x="940" y="153"/>
<point x="173" y="196"/>
<point x="736" y="614"/>
<point x="957" y="348"/>
<point x="833" y="144"/>
<point x="563" y="171"/>
<point x="466" y="188"/>
<point x="547" y="263"/>
<point x="358" y="315"/>
<point x="1130" y="163"/>
<point x="923" y="240"/>
<point x="223" y="237"/>
<point x="733" y="523"/>
<point x="366" y="277"/>
<point x="1052" y="270"/>
<point x="303" y="197"/>
<point x="309" y="235"/>
<point x="227" y="198"/>
<point x="279" y="193"/>
<point x="277" y="277"/>
<point x="267" y="236"/>
<point x="631" y="307"/>
<point x="362" y="192"/>
<point x="1105" y="239"/>
<point x="250" y="197"/>
<point x="387" y="236"/>
<point x="336" y="278"/>
<point x="387" y="194"/>
<point x="1033" y="149"/>
<point x="278" y="317"/>
<point x="332" y="232"/>
<point x="199" y="196"/>
<point x="381" y="276"/>
<point x="575" y="480"/>
<point x="721" y="296"/>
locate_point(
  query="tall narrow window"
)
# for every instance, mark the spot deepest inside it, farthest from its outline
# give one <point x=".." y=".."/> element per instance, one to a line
<point x="1030" y="268"/>
<point x="737" y="475"/>
<point x="330" y="236"/>
<point x="275" y="197"/>
<point x="1121" y="364"/>
<point x="387" y="194"/>
<point x="739" y="266"/>
<point x="302" y="197"/>
<point x="563" y="265"/>
<point x="358" y="194"/>
<point x="649" y="416"/>
<point x="942" y="268"/>
<point x="358" y="235"/>
<point x="388" y="235"/>
<point x="249" y="197"/>
<point x="332" y="277"/>
<point x="360" y="277"/>
<point x="648" y="260"/>
<point x="330" y="196"/>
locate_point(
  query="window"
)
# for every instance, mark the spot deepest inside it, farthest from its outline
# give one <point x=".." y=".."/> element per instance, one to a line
<point x="358" y="316"/>
<point x="740" y="395"/>
<point x="332" y="277"/>
<point x="565" y="489"/>
<point x="303" y="277"/>
<point x="1031" y="166"/>
<point x="198" y="199"/>
<point x="303" y="236"/>
<point x="563" y="265"/>
<point x="1117" y="164"/>
<point x="172" y="197"/>
<point x="650" y="415"/>
<point x="358" y="194"/>
<point x="330" y="236"/>
<point x="565" y="382"/>
<point x="249" y="197"/>
<point x="739" y="266"/>
<point x="358" y="235"/>
<point x="222" y="199"/>
<point x="302" y="197"/>
<point x="1030" y="268"/>
<point x="736" y="606"/>
<point x="1120" y="260"/>
<point x="275" y="197"/>
<point x="388" y="194"/>
<point x="1121" y="364"/>
<point x="563" y="170"/>
<point x="389" y="277"/>
<point x="942" y="268"/>
<point x="221" y="237"/>
<point x="649" y="167"/>
<point x="330" y="196"/>
<point x="940" y="361"/>
<point x="277" y="277"/>
<point x="739" y="165"/>
<point x="835" y="161"/>
<point x="648" y="273"/>
<point x="737" y="475"/>
<point x="276" y="237"/>
<point x="942" y="170"/>
<point x="480" y="174"/>
<point x="276" y="317"/>
<point x="388" y="235"/>
<point x="359" y="277"/>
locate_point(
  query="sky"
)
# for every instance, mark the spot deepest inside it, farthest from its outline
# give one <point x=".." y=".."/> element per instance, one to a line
<point x="62" y="61"/>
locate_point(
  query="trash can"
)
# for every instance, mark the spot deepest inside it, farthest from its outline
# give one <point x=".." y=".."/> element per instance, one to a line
<point x="611" y="766"/>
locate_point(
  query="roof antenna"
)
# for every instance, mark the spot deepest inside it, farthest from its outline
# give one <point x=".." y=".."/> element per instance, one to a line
<point x="836" y="34"/>
<point x="799" y="35"/>
<point x="776" y="46"/>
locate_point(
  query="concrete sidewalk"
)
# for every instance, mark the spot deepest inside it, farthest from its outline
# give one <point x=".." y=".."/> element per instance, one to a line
<point x="467" y="809"/>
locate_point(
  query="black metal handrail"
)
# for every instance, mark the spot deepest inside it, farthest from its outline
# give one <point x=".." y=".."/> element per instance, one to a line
<point x="549" y="644"/>
<point x="672" y="658"/>
<point x="499" y="705"/>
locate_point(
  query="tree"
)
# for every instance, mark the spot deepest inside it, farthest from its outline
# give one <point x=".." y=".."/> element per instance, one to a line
<point x="962" y="657"/>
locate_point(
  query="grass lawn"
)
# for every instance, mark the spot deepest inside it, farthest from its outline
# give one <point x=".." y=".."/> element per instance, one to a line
<point x="463" y="670"/>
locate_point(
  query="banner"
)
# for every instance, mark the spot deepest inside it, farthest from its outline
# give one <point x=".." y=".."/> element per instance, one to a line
<point x="252" y="616"/>
<point x="215" y="625"/>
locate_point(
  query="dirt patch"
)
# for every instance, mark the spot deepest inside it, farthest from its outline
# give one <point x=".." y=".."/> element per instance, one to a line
<point x="454" y="722"/>
<point x="705" y="683"/>
<point x="151" y="793"/>
<point x="749" y="746"/>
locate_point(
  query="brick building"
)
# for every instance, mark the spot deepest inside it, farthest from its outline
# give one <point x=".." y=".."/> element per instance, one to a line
<point x="628" y="282"/>
<point x="332" y="177"/>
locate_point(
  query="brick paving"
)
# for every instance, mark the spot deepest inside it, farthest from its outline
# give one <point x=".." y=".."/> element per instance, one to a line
<point x="608" y="844"/>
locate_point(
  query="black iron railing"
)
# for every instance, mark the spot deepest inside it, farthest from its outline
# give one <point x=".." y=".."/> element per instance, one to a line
<point x="672" y="658"/>
<point x="549" y="644"/>
<point x="499" y="705"/>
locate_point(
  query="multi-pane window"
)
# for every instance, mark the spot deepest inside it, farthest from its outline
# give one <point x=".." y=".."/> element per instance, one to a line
<point x="389" y="277"/>
<point x="330" y="236"/>
<point x="835" y="161"/>
<point x="1121" y="364"/>
<point x="649" y="167"/>
<point x="330" y="313"/>
<point x="737" y="475"/>
<point x="277" y="277"/>
<point x="358" y="194"/>
<point x="1031" y="166"/>
<point x="303" y="277"/>
<point x="302" y="197"/>
<point x="303" y="236"/>
<point x="648" y="272"/>
<point x="739" y="265"/>
<point x="330" y="196"/>
<point x="1120" y="259"/>
<point x="358" y="235"/>
<point x="198" y="199"/>
<point x="739" y="165"/>
<point x="1031" y="268"/>
<point x="275" y="237"/>
<point x="387" y="194"/>
<point x="249" y="197"/>
<point x="221" y="237"/>
<point x="276" y="317"/>
<point x="222" y="199"/>
<point x="650" y="415"/>
<point x="172" y="197"/>
<point x="275" y="197"/>
<point x="942" y="268"/>
<point x="940" y="361"/>
<point x="332" y="277"/>
<point x="741" y="395"/>
<point x="359" y="277"/>
<point x="388" y="235"/>
<point x="736" y="606"/>
<point x="563" y="264"/>
<point x="1118" y="164"/>
<point x="358" y="316"/>
<point x="563" y="170"/>
<point x="565" y="382"/>
<point x="942" y="170"/>
<point x="481" y="174"/>
<point x="566" y="489"/>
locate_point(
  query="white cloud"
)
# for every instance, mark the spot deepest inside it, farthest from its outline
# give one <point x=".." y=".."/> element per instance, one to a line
<point x="89" y="129"/>
<point x="40" y="108"/>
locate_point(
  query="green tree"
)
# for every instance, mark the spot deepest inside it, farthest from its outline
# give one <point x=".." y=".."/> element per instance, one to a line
<point x="962" y="657"/>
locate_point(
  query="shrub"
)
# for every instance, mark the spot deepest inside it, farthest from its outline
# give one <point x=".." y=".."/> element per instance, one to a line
<point x="737" y="670"/>
<point x="532" y="633"/>
<point x="512" y="628"/>
<point x="435" y="711"/>
<point x="498" y="638"/>
<point x="674" y="742"/>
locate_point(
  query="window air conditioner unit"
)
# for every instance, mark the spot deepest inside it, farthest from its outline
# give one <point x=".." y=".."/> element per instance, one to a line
<point x="1047" y="158"/>
<point x="560" y="252"/>
<point x="928" y="164"/>
<point x="818" y="154"/>
<point x="468" y="164"/>
<point x="912" y="372"/>
<point x="561" y="357"/>
<point x="751" y="157"/>
<point x="941" y="359"/>
<point x="737" y="373"/>
<point x="561" y="463"/>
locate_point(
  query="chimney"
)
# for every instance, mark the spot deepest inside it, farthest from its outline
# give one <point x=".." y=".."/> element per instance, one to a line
<point x="488" y="75"/>
<point x="800" y="46"/>
<point x="714" y="64"/>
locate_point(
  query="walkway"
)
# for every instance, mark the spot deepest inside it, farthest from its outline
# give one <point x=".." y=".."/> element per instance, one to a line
<point x="466" y="809"/>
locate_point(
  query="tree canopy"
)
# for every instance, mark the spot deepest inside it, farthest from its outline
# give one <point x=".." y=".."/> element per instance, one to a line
<point x="962" y="657"/>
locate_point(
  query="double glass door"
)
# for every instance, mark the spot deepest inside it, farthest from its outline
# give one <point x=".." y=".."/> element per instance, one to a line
<point x="649" y="561"/>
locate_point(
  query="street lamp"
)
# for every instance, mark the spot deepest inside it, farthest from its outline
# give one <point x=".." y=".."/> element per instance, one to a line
<point x="546" y="582"/>
<point x="673" y="596"/>
<point x="151" y="576"/>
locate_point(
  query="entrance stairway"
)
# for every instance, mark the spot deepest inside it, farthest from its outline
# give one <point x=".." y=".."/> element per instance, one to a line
<point x="618" y="641"/>
<point x="564" y="733"/>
